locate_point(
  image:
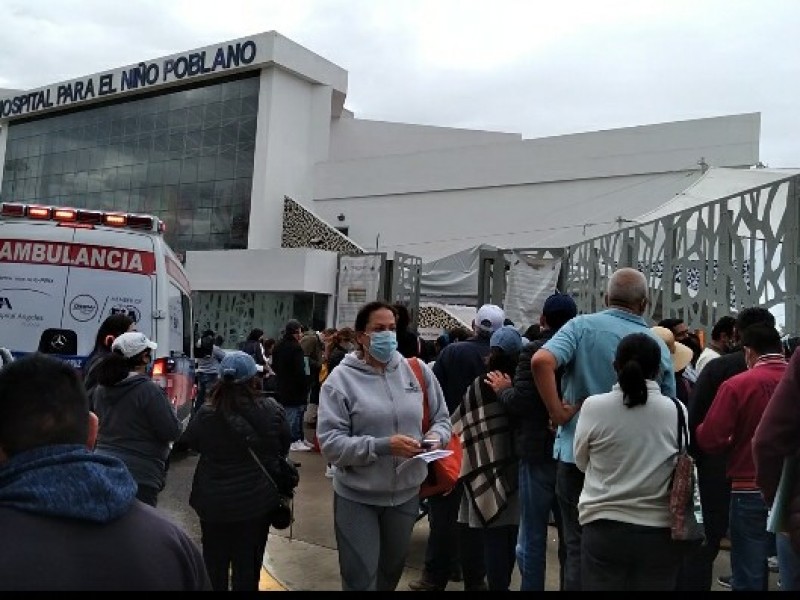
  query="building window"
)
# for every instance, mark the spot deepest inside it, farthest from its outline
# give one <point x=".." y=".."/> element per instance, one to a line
<point x="185" y="156"/>
<point x="344" y="230"/>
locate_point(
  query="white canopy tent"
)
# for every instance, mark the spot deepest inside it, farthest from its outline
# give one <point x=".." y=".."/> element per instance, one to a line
<point x="453" y="279"/>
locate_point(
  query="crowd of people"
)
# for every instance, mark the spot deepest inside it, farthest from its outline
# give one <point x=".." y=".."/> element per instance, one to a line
<point x="568" y="426"/>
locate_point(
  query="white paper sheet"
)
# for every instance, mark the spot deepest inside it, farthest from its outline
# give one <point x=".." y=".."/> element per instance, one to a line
<point x="424" y="456"/>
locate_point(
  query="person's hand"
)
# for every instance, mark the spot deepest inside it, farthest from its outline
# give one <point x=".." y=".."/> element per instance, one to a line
<point x="571" y="409"/>
<point x="498" y="381"/>
<point x="405" y="446"/>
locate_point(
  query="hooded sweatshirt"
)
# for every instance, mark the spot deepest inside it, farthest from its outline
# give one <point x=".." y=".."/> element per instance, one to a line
<point x="137" y="425"/>
<point x="360" y="409"/>
<point x="71" y="521"/>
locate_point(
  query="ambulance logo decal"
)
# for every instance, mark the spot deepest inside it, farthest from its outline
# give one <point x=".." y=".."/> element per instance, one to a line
<point x="83" y="308"/>
<point x="58" y="342"/>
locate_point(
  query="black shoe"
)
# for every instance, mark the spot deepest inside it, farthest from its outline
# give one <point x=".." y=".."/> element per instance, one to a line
<point x="424" y="585"/>
<point x="724" y="581"/>
<point x="455" y="574"/>
<point x="296" y="464"/>
<point x="476" y="587"/>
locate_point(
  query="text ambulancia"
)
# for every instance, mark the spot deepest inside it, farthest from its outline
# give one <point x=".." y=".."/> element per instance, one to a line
<point x="64" y="270"/>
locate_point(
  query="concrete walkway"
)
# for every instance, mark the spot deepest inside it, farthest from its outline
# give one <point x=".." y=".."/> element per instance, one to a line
<point x="304" y="557"/>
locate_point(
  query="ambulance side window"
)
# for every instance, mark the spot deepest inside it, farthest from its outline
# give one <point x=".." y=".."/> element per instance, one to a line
<point x="180" y="333"/>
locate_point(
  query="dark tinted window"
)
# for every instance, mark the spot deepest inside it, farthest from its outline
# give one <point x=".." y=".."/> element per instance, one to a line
<point x="185" y="156"/>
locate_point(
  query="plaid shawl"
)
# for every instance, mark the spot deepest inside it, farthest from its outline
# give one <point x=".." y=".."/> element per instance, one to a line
<point x="489" y="466"/>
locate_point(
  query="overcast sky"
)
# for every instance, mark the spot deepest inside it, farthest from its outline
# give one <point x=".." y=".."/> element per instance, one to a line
<point x="539" y="68"/>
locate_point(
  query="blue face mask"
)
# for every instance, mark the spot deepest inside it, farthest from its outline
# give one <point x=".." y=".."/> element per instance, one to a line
<point x="382" y="344"/>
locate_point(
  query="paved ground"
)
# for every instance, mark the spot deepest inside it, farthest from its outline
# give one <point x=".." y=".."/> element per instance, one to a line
<point x="304" y="557"/>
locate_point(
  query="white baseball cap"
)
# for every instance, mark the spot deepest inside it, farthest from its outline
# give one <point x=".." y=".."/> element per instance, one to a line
<point x="132" y="343"/>
<point x="490" y="318"/>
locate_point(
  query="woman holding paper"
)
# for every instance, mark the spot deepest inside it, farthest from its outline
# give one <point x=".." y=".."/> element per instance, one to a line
<point x="369" y="424"/>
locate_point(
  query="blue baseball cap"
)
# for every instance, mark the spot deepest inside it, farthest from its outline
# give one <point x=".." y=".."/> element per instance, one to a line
<point x="237" y="365"/>
<point x="507" y="338"/>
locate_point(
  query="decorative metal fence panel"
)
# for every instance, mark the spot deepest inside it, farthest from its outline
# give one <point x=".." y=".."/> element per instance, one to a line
<point x="704" y="262"/>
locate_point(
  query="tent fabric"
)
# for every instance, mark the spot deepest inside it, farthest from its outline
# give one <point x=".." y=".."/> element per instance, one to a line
<point x="529" y="283"/>
<point x="717" y="183"/>
<point x="453" y="278"/>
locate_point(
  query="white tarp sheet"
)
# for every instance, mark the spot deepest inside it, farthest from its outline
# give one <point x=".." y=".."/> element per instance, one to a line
<point x="528" y="284"/>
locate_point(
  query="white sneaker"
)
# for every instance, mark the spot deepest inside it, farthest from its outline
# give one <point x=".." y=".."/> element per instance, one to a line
<point x="772" y="563"/>
<point x="308" y="444"/>
<point x="298" y="446"/>
<point x="329" y="471"/>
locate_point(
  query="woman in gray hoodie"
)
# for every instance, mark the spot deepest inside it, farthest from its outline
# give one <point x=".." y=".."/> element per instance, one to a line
<point x="369" y="424"/>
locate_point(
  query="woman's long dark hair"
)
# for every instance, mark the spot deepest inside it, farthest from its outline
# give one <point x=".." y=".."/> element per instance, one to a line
<point x="115" y="367"/>
<point x="227" y="395"/>
<point x="500" y="360"/>
<point x="110" y="329"/>
<point x="638" y="359"/>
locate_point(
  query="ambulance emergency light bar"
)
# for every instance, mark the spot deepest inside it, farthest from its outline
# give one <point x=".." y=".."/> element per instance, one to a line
<point x="80" y="217"/>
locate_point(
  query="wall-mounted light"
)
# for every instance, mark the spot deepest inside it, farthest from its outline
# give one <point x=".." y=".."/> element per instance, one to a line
<point x="340" y="217"/>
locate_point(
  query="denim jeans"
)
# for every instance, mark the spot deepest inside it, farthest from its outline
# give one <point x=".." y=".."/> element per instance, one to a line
<point x="294" y="416"/>
<point x="205" y="381"/>
<point x="750" y="542"/>
<point x="788" y="564"/>
<point x="537" y="499"/>
<point x="569" y="485"/>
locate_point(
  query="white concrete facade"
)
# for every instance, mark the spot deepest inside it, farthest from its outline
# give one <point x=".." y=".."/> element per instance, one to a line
<point x="521" y="193"/>
<point x="427" y="191"/>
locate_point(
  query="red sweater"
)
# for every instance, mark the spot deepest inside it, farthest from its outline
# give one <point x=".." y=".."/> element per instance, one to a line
<point x="734" y="415"/>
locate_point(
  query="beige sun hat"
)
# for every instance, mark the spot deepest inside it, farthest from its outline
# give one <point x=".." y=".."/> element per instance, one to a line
<point x="681" y="353"/>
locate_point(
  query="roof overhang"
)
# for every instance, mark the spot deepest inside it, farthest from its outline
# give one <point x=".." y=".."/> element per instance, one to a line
<point x="263" y="50"/>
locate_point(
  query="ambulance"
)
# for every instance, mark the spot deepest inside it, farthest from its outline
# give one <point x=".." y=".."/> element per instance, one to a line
<point x="64" y="270"/>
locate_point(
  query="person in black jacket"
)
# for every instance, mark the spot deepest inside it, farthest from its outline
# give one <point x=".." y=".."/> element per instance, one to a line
<point x="409" y="343"/>
<point x="715" y="489"/>
<point x="138" y="424"/>
<point x="231" y="495"/>
<point x="451" y="543"/>
<point x="533" y="442"/>
<point x="113" y="326"/>
<point x="292" y="380"/>
<point x="254" y="346"/>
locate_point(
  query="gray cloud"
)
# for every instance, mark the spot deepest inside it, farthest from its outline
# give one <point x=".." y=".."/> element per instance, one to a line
<point x="634" y="64"/>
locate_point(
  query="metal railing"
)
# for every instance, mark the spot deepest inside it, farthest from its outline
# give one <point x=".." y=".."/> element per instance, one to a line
<point x="703" y="262"/>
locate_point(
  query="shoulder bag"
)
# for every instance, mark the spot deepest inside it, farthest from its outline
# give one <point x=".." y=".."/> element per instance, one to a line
<point x="282" y="516"/>
<point x="443" y="474"/>
<point x="685" y="510"/>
